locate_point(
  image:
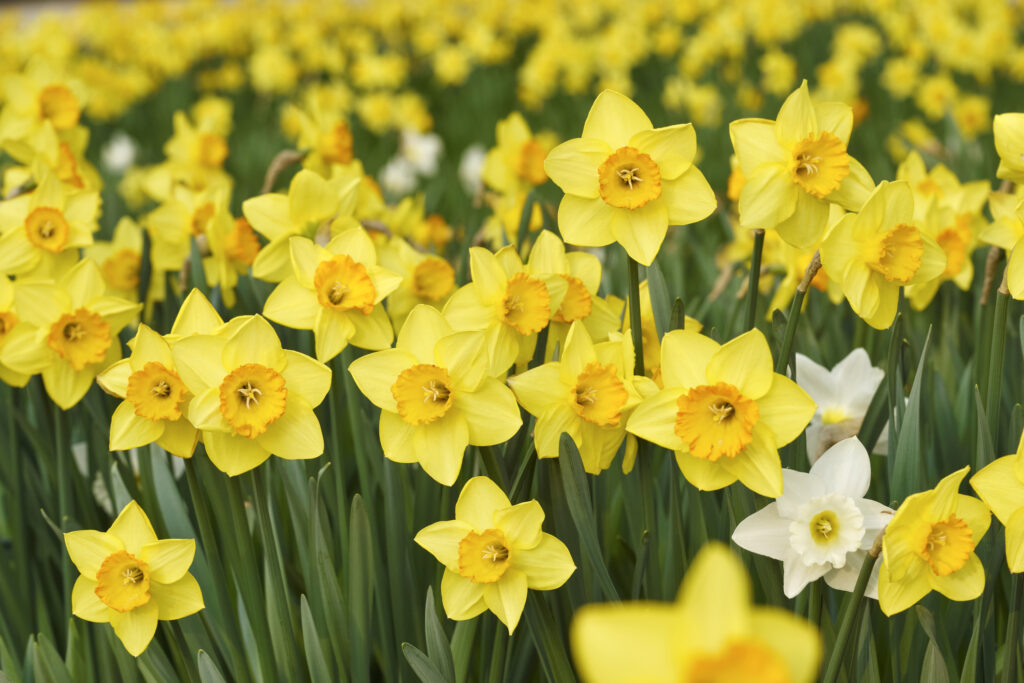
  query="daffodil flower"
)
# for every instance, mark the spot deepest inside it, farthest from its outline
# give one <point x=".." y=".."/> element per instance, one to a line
<point x="589" y="394"/>
<point x="492" y="553"/>
<point x="929" y="545"/>
<point x="626" y="181"/>
<point x="711" y="633"/>
<point x="516" y="163"/>
<point x="37" y="97"/>
<point x="507" y="303"/>
<point x="426" y="279"/>
<point x="649" y="332"/>
<point x="155" y="399"/>
<point x="120" y="260"/>
<point x="131" y="579"/>
<point x="70" y="331"/>
<point x="336" y="291"/>
<point x="724" y="411"/>
<point x="1008" y="131"/>
<point x="796" y="166"/>
<point x="875" y="252"/>
<point x="821" y="525"/>
<point x="8" y="321"/>
<point x="436" y="396"/>
<point x="843" y="395"/>
<point x="1000" y="485"/>
<point x="41" y="231"/>
<point x="251" y="398"/>
<point x="313" y="208"/>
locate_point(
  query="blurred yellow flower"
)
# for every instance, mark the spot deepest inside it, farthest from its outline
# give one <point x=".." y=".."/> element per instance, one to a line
<point x="1000" y="485"/>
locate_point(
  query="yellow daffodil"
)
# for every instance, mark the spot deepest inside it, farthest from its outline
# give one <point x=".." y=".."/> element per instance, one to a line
<point x="336" y="291"/>
<point x="314" y="207"/>
<point x="711" y="633"/>
<point x="324" y="133"/>
<point x="251" y="398"/>
<point x="120" y="260"/>
<point x="37" y="97"/>
<point x="1000" y="485"/>
<point x="510" y="305"/>
<point x="589" y="394"/>
<point x="198" y="316"/>
<point x="155" y="399"/>
<point x="626" y="181"/>
<point x="131" y="579"/>
<point x="1006" y="227"/>
<point x="184" y="216"/>
<point x="649" y="332"/>
<point x="796" y="166"/>
<point x="41" y="231"/>
<point x="1008" y="130"/>
<point x="724" y="411"/>
<point x="492" y="553"/>
<point x="929" y="545"/>
<point x="232" y="246"/>
<point x="435" y="395"/>
<point x="582" y="273"/>
<point x="426" y="279"/>
<point x="8" y="321"/>
<point x="875" y="252"/>
<point x="516" y="164"/>
<point x="70" y="331"/>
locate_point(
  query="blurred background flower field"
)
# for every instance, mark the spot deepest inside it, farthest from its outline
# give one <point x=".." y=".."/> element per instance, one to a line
<point x="512" y="341"/>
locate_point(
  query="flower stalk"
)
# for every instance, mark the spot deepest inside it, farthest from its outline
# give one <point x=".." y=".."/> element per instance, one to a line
<point x="850" y="610"/>
<point x="755" y="277"/>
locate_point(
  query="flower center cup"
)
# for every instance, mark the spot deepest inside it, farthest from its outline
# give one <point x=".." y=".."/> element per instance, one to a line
<point x="7" y="322"/>
<point x="526" y="306"/>
<point x="629" y="179"/>
<point x="242" y="244"/>
<point x="344" y="285"/>
<point x="157" y="392"/>
<point x="213" y="150"/>
<point x="47" y="229"/>
<point x="531" y="163"/>
<point x="483" y="558"/>
<point x="577" y="303"/>
<point x="82" y="338"/>
<point x="122" y="582"/>
<point x="599" y="395"/>
<point x="819" y="164"/>
<point x="252" y="398"/>
<point x="336" y="144"/>
<point x="739" y="662"/>
<point x="947" y="546"/>
<point x="59" y="106"/>
<point x="715" y="421"/>
<point x="423" y="394"/>
<point x="897" y="254"/>
<point x="433" y="279"/>
<point x="121" y="271"/>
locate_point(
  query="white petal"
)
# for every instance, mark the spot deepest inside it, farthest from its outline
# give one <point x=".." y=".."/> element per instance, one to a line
<point x="796" y="575"/>
<point x="797" y="489"/>
<point x="845" y="468"/>
<point x="765" y="532"/>
<point x="815" y="380"/>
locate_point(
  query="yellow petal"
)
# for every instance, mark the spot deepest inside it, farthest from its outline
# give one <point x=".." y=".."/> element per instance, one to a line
<point x="375" y="374"/>
<point x="88" y="549"/>
<point x="745" y="363"/>
<point x="462" y="599"/>
<point x="585" y="222"/>
<point x="573" y="166"/>
<point x="688" y="198"/>
<point x="478" y="501"/>
<point x="558" y="419"/>
<point x="179" y="438"/>
<point x="792" y="637"/>
<point x="273" y="262"/>
<point x="685" y="356"/>
<point x="150" y="347"/>
<point x="65" y="385"/>
<point x="715" y="594"/>
<point x="422" y="329"/>
<point x="933" y="261"/>
<point x="755" y="143"/>
<point x="233" y="454"/>
<point x="488" y="275"/>
<point x="132" y="527"/>
<point x="1015" y="542"/>
<point x="786" y="409"/>
<point x="332" y="332"/>
<point x="311" y="198"/>
<point x="268" y="215"/>
<point x="521" y="524"/>
<point x="547" y="565"/>
<point x="641" y="231"/>
<point x="835" y="118"/>
<point x="197" y="360"/>
<point x="168" y="559"/>
<point x="655" y="418"/>
<point x="296" y="435"/>
<point x="292" y="305"/>
<point x="309" y="378"/>
<point x="305" y="256"/>
<point x="805" y="227"/>
<point x="1015" y="271"/>
<point x="768" y="197"/>
<point x="964" y="584"/>
<point x="491" y="413"/>
<point x="442" y="539"/>
<point x="85" y="604"/>
<point x="998" y="486"/>
<point x="128" y="430"/>
<point x="758" y="466"/>
<point x="630" y="641"/>
<point x="614" y="118"/>
<point x="797" y="119"/>
<point x="179" y="599"/>
<point x="976" y="514"/>
<point x="136" y="628"/>
<point x="254" y="342"/>
<point x="539" y="388"/>
<point x="464" y="355"/>
<point x="703" y="474"/>
<point x="507" y="597"/>
<point x="672" y="148"/>
<point x="946" y="494"/>
<point x="440" y="447"/>
<point x="396" y="438"/>
<point x="372" y="331"/>
<point x="854" y="189"/>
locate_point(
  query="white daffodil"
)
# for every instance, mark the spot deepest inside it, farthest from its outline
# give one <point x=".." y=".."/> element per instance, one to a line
<point x="821" y="525"/>
<point x="843" y="395"/>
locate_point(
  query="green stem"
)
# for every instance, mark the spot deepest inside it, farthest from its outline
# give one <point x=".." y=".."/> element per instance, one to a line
<point x="782" y="359"/>
<point x="62" y="451"/>
<point x="755" y="279"/>
<point x="493" y="467"/>
<point x="848" y="616"/>
<point x="635" y="325"/>
<point x="995" y="364"/>
<point x="1013" y="630"/>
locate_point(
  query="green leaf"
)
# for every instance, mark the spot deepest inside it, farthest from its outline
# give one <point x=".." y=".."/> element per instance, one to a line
<point x="661" y="304"/>
<point x="421" y="665"/>
<point x="360" y="590"/>
<point x="437" y="642"/>
<point x="462" y="647"/>
<point x="47" y="664"/>
<point x="909" y="456"/>
<point x="318" y="668"/>
<point x="875" y="418"/>
<point x="984" y="451"/>
<point x="208" y="671"/>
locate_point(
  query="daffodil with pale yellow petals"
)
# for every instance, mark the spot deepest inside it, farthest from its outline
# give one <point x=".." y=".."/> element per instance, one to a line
<point x="796" y="166"/>
<point x="436" y="396"/>
<point x="251" y="398"/>
<point x="131" y="579"/>
<point x="8" y="321"/>
<point x="507" y="303"/>
<point x="516" y="163"/>
<point x="1000" y="485"/>
<point x="875" y="252"/>
<point x="314" y="207"/>
<point x="724" y="411"/>
<point x="588" y="393"/>
<point x="69" y="332"/>
<point x="711" y="633"/>
<point x="582" y="274"/>
<point x="198" y="316"/>
<point x="336" y="291"/>
<point x="426" y="278"/>
<point x="1008" y="131"/>
<point x="155" y="398"/>
<point x="626" y="181"/>
<point x="929" y="545"/>
<point x="41" y="231"/>
<point x="493" y="552"/>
